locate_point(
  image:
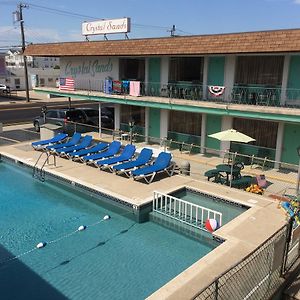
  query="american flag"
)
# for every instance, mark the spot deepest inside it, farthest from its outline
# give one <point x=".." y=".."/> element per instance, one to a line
<point x="66" y="84"/>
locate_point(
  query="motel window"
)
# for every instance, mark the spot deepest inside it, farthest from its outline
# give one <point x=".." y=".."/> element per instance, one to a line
<point x="132" y="69"/>
<point x="266" y="70"/>
<point x="186" y="69"/>
<point x="185" y="122"/>
<point x="135" y="113"/>
<point x="50" y="79"/>
<point x="264" y="132"/>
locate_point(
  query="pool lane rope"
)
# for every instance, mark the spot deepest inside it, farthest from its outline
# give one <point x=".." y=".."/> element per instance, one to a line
<point x="41" y="245"/>
<point x="80" y="228"/>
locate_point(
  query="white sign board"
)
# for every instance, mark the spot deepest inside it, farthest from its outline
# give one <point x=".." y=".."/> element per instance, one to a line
<point x="106" y="26"/>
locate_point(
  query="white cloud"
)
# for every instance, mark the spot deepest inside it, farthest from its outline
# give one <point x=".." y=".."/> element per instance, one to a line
<point x="297" y="1"/>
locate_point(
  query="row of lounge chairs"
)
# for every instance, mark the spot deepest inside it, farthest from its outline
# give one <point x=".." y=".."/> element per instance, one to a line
<point x="109" y="156"/>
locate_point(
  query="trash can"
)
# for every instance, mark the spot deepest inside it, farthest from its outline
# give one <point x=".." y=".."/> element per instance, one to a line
<point x="48" y="131"/>
<point x="185" y="168"/>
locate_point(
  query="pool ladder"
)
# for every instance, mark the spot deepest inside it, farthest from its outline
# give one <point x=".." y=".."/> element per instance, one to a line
<point x="39" y="172"/>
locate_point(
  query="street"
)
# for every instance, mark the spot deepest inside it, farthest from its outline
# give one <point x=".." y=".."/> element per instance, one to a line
<point x="14" y="111"/>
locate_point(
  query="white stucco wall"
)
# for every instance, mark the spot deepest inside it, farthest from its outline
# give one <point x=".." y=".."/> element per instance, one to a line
<point x="164" y="122"/>
<point x="89" y="72"/>
<point x="226" y="124"/>
<point x="164" y="70"/>
<point x="230" y="62"/>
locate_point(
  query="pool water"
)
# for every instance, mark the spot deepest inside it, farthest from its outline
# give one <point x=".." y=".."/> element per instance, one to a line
<point x="114" y="259"/>
<point x="229" y="210"/>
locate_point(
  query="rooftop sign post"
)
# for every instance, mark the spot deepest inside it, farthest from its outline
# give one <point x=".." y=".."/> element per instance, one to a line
<point x="106" y="27"/>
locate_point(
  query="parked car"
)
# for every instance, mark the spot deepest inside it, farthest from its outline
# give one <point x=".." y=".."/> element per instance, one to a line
<point x="5" y="89"/>
<point x="67" y="117"/>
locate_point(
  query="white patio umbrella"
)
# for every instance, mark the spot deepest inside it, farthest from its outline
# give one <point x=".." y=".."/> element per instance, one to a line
<point x="232" y="135"/>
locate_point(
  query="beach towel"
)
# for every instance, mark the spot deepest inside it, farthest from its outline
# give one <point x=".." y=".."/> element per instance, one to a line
<point x="134" y="88"/>
<point x="117" y="87"/>
<point x="261" y="180"/>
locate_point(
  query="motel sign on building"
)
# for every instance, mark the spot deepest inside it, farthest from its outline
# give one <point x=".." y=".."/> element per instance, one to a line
<point x="106" y="26"/>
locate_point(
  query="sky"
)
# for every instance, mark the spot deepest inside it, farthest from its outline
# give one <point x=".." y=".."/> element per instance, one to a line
<point x="60" y="20"/>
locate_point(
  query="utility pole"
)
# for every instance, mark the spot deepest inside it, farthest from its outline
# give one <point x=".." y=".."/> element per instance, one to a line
<point x="172" y="31"/>
<point x="21" y="6"/>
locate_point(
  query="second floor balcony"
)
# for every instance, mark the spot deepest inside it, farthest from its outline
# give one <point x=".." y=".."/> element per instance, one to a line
<point x="260" y="95"/>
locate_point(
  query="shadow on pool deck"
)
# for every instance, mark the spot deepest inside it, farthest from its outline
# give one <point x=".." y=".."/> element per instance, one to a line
<point x="17" y="281"/>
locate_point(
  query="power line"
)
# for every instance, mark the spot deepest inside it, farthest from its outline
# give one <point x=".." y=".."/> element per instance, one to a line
<point x="61" y="11"/>
<point x="11" y="29"/>
<point x="72" y="14"/>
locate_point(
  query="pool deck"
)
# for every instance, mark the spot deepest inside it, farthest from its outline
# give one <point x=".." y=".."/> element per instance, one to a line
<point x="242" y="235"/>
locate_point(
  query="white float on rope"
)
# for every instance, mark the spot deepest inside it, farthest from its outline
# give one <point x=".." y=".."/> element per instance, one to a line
<point x="41" y="245"/>
<point x="106" y="217"/>
<point x="81" y="227"/>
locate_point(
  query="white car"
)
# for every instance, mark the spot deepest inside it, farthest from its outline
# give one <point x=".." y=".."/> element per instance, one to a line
<point x="4" y="88"/>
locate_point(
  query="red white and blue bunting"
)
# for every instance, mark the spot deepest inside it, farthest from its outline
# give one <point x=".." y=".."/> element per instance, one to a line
<point x="216" y="90"/>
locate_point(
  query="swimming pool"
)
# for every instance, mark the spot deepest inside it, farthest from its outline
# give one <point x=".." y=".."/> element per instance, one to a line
<point x="114" y="259"/>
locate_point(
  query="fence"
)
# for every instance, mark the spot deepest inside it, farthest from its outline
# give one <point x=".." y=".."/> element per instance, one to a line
<point x="259" y="274"/>
<point x="275" y="171"/>
<point x="183" y="211"/>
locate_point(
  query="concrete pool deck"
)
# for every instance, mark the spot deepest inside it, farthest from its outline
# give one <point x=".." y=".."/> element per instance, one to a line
<point x="242" y="235"/>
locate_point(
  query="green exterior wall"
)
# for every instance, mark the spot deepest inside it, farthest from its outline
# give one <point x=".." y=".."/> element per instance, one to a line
<point x="294" y="78"/>
<point x="154" y="70"/>
<point x="186" y="138"/>
<point x="153" y="84"/>
<point x="213" y="125"/>
<point x="216" y="68"/>
<point x="154" y="122"/>
<point x="291" y="141"/>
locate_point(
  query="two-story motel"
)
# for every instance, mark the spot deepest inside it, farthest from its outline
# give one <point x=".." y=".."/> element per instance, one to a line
<point x="258" y="74"/>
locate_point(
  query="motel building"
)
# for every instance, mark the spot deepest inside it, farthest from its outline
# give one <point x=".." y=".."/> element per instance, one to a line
<point x="187" y="87"/>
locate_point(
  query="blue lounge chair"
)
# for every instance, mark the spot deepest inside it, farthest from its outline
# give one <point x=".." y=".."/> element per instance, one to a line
<point x="163" y="163"/>
<point x="143" y="159"/>
<point x="43" y="143"/>
<point x="77" y="155"/>
<point x="112" y="150"/>
<point x="73" y="141"/>
<point x="127" y="154"/>
<point x="85" y="142"/>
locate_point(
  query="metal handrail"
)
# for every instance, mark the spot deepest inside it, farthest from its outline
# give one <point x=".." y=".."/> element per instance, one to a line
<point x="39" y="173"/>
<point x="260" y="94"/>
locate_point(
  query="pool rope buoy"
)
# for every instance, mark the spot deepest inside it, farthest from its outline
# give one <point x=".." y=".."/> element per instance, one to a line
<point x="42" y="245"/>
<point x="81" y="228"/>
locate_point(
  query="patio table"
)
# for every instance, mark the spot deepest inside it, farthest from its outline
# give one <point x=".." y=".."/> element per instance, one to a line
<point x="225" y="168"/>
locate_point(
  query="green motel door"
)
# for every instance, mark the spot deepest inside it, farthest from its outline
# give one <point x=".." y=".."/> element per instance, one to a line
<point x="154" y="123"/>
<point x="154" y="75"/>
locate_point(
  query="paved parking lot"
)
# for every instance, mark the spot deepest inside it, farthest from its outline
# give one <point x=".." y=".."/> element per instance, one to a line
<point x="16" y="134"/>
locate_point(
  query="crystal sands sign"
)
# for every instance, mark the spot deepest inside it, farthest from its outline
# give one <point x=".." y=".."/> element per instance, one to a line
<point x="106" y="26"/>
